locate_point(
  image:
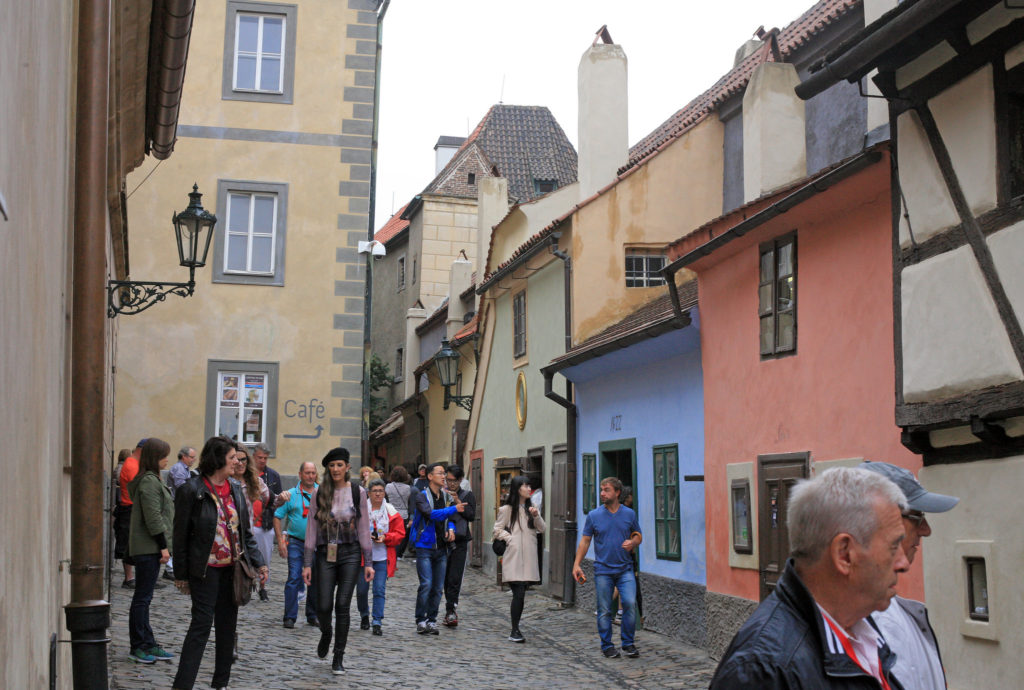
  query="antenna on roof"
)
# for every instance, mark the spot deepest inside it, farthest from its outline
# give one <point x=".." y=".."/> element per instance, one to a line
<point x="501" y="96"/>
<point x="603" y="34"/>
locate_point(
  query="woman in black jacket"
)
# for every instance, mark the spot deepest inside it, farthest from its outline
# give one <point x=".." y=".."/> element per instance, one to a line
<point x="211" y="532"/>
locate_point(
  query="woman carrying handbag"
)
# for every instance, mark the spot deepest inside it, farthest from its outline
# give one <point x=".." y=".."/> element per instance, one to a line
<point x="518" y="525"/>
<point x="212" y="536"/>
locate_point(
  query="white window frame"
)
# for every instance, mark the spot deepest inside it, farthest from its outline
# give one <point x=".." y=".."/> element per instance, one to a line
<point x="249" y="234"/>
<point x="519" y="325"/>
<point x="259" y="54"/>
<point x="649" y="277"/>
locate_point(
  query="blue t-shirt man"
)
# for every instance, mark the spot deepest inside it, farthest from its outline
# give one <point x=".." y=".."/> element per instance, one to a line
<point x="609" y="530"/>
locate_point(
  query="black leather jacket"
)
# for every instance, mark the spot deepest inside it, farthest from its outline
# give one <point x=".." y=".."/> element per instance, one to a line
<point x="462" y="520"/>
<point x="195" y="525"/>
<point x="782" y="645"/>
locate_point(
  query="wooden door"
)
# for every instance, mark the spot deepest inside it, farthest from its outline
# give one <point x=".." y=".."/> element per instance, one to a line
<point x="561" y="541"/>
<point x="476" y="485"/>
<point x="776" y="476"/>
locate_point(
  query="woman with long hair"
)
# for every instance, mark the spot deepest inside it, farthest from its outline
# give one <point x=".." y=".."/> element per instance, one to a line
<point x="518" y="525"/>
<point x="397" y="493"/>
<point x="212" y="531"/>
<point x="387" y="529"/>
<point x="256" y="494"/>
<point x="338" y="538"/>
<point x="149" y="545"/>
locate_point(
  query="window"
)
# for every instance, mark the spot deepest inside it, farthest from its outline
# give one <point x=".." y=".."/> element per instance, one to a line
<point x="399" y="364"/>
<point x="414" y="270"/>
<point x="589" y="482"/>
<point x="544" y="186"/>
<point x="250" y="235"/>
<point x="519" y="324"/>
<point x="471" y="178"/>
<point x="642" y="269"/>
<point x="776" y="296"/>
<point x="259" y="52"/>
<point x="241" y="400"/>
<point x="401" y="273"/>
<point x="666" y="502"/>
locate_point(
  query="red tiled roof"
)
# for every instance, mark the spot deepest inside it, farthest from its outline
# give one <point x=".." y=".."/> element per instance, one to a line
<point x="466" y="331"/>
<point x="657" y="311"/>
<point x="394" y="226"/>
<point x="794" y="36"/>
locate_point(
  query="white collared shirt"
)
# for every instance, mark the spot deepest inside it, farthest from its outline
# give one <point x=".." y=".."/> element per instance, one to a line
<point x="917" y="661"/>
<point x="863" y="640"/>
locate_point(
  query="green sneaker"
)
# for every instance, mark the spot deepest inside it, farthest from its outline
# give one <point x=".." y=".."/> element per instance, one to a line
<point x="141" y="657"/>
<point x="159" y="654"/>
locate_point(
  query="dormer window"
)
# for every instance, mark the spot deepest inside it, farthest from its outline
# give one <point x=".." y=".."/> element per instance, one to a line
<point x="471" y="178"/>
<point x="544" y="186"/>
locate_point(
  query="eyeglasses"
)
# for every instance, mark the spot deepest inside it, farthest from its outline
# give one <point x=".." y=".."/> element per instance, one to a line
<point x="915" y="516"/>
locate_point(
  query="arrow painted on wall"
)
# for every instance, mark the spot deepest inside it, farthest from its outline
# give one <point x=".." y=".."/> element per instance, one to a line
<point x="319" y="430"/>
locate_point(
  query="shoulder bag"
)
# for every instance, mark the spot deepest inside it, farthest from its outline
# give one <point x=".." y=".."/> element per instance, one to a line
<point x="498" y="546"/>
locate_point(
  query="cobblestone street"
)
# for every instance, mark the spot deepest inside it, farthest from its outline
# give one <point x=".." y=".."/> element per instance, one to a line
<point x="561" y="649"/>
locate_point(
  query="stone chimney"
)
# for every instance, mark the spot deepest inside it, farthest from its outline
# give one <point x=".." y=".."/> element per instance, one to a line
<point x="460" y="279"/>
<point x="413" y="318"/>
<point x="603" y="122"/>
<point x="444" y="149"/>
<point x="774" y="138"/>
<point x="492" y="206"/>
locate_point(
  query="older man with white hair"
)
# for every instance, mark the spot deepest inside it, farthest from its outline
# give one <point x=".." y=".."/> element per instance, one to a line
<point x="814" y="630"/>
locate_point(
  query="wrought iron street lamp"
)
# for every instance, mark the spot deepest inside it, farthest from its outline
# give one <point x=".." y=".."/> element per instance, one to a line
<point x="447" y="362"/>
<point x="193" y="228"/>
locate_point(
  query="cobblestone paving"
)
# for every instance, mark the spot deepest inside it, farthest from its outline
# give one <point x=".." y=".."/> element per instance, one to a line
<point x="561" y="650"/>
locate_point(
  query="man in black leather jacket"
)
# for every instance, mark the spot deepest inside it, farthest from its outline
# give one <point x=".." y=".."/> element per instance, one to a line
<point x="815" y="630"/>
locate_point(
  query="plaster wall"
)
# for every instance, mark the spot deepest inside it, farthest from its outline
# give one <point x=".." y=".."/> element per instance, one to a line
<point x="953" y="339"/>
<point x="497" y="432"/>
<point x="679" y="188"/>
<point x="312" y="325"/>
<point x="995" y="18"/>
<point x="492" y="198"/>
<point x="603" y="111"/>
<point x="387" y="319"/>
<point x="774" y="130"/>
<point x="651" y="392"/>
<point x="37" y="76"/>
<point x="1007" y="247"/>
<point x="832" y="398"/>
<point x="965" y="116"/>
<point x="439" y="440"/>
<point x="983" y="652"/>
<point x="527" y="220"/>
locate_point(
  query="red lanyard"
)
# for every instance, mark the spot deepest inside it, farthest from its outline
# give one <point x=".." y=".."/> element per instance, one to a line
<point x="848" y="648"/>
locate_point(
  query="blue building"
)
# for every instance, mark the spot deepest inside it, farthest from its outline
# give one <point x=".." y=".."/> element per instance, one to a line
<point x="640" y="417"/>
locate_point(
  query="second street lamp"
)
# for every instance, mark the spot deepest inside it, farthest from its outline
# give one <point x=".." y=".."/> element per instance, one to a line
<point x="447" y="362"/>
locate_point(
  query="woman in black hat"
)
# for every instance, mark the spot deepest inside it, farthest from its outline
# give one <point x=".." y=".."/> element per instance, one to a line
<point x="338" y="538"/>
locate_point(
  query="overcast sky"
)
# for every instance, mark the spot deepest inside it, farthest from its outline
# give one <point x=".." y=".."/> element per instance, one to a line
<point x="445" y="62"/>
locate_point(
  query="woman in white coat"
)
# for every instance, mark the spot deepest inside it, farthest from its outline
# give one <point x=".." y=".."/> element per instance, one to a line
<point x="518" y="525"/>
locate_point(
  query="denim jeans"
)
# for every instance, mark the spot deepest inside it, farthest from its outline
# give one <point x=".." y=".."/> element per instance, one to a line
<point x="453" y="575"/>
<point x="430" y="566"/>
<point x="293" y="585"/>
<point x="213" y="604"/>
<point x="334" y="585"/>
<point x="604" y="586"/>
<point x="147" y="569"/>
<point x="380" y="582"/>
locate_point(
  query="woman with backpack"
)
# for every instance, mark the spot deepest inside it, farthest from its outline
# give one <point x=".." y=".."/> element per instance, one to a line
<point x="518" y="525"/>
<point x="338" y="537"/>
<point x="397" y="494"/>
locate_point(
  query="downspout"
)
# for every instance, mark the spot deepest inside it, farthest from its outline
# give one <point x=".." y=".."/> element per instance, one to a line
<point x="370" y="220"/>
<point x="571" y="527"/>
<point x="87" y="615"/>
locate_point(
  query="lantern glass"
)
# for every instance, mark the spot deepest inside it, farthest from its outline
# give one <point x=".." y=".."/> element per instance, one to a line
<point x="193" y="229"/>
<point x="447" y="362"/>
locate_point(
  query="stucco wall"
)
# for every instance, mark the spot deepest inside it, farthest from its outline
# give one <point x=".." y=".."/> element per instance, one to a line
<point x="36" y="140"/>
<point x="312" y="325"/>
<point x="834" y="397"/>
<point x="977" y="654"/>
<point x="387" y="320"/>
<point x="498" y="434"/>
<point x="651" y="392"/>
<point x="679" y="188"/>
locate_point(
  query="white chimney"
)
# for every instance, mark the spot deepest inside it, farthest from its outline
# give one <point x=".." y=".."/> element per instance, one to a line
<point x="774" y="136"/>
<point x="492" y="206"/>
<point x="413" y="318"/>
<point x="444" y="149"/>
<point x="460" y="278"/>
<point x="603" y="122"/>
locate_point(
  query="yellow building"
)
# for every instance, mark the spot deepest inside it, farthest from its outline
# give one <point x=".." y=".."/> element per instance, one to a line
<point x="276" y="124"/>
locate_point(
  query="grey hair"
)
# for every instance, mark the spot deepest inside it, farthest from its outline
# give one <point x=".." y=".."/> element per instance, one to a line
<point x="376" y="482"/>
<point x="185" y="450"/>
<point x="839" y="500"/>
<point x="263" y="448"/>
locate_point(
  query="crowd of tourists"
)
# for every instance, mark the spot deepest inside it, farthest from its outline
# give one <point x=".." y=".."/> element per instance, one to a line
<point x="832" y="621"/>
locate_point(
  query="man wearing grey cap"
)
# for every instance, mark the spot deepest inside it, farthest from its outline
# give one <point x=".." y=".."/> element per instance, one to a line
<point x="905" y="623"/>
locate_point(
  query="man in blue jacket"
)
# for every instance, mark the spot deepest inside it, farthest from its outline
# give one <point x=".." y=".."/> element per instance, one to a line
<point x="430" y="533"/>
